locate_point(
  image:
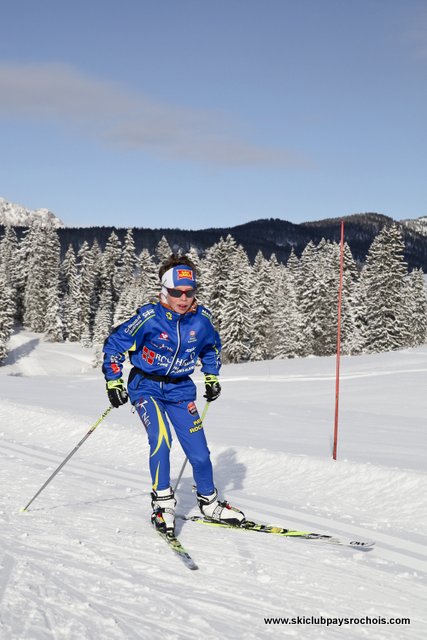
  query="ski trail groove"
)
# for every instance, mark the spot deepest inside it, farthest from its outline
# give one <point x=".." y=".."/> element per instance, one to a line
<point x="7" y="566"/>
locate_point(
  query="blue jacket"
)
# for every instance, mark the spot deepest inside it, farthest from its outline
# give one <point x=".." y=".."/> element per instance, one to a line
<point x="162" y="342"/>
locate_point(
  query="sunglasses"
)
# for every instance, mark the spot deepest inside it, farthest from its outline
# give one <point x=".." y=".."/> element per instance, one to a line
<point x="177" y="293"/>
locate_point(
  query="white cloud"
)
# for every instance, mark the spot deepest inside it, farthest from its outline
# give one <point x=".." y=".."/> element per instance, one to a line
<point x="127" y="119"/>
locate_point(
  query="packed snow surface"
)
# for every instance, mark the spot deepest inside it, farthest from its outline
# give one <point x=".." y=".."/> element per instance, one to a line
<point x="84" y="562"/>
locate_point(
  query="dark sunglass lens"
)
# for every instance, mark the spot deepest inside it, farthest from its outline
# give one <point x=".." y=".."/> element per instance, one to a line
<point x="176" y="293"/>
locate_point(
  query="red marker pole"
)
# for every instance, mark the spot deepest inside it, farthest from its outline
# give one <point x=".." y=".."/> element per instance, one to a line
<point x="337" y="374"/>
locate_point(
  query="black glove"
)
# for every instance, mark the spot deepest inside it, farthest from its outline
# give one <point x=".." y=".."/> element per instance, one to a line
<point x="212" y="386"/>
<point x="116" y="392"/>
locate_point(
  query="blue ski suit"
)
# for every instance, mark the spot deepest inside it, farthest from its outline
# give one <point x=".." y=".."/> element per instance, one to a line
<point x="163" y="343"/>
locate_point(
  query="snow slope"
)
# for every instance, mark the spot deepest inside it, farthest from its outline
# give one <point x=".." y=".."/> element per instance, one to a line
<point x="84" y="562"/>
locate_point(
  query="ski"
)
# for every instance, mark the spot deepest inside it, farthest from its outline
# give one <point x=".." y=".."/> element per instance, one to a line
<point x="178" y="549"/>
<point x="247" y="525"/>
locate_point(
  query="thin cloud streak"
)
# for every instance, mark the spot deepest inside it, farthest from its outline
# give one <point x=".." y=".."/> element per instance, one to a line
<point x="127" y="120"/>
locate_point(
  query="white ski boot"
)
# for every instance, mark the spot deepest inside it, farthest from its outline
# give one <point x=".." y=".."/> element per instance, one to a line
<point x="163" y="504"/>
<point x="220" y="511"/>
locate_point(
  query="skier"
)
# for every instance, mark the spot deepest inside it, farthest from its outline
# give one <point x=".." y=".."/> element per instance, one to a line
<point x="164" y="341"/>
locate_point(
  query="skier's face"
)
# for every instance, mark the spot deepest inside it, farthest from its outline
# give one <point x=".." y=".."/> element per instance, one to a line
<point x="182" y="304"/>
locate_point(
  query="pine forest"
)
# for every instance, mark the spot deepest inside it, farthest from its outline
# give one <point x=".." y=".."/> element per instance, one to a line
<point x="262" y="310"/>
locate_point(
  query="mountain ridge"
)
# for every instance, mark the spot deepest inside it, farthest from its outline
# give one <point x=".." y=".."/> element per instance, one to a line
<point x="16" y="215"/>
<point x="269" y="235"/>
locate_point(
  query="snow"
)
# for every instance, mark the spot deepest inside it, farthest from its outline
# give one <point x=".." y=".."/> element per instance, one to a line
<point x="16" y="215"/>
<point x="84" y="562"/>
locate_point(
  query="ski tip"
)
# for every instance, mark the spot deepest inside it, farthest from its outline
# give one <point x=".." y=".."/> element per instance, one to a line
<point x="363" y="545"/>
<point x="23" y="510"/>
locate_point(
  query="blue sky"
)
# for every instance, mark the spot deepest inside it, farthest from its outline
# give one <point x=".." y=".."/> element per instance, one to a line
<point x="194" y="114"/>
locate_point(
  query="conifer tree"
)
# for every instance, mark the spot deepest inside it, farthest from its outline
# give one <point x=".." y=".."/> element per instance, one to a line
<point x="7" y="308"/>
<point x="383" y="290"/>
<point x="163" y="250"/>
<point x="129" y="260"/>
<point x="88" y="276"/>
<point x="286" y="321"/>
<point x="416" y="307"/>
<point x="351" y="342"/>
<point x="42" y="282"/>
<point x="103" y="323"/>
<point x="53" y="325"/>
<point x="235" y="333"/>
<point x="143" y="287"/>
<point x="259" y="310"/>
<point x="70" y="288"/>
<point x="36" y="282"/>
<point x="147" y="282"/>
<point x="305" y="285"/>
<point x="9" y="266"/>
<point x="111" y="264"/>
<point x="214" y="271"/>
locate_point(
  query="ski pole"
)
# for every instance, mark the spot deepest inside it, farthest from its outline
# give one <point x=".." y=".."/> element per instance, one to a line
<point x="91" y="430"/>
<point x="205" y="410"/>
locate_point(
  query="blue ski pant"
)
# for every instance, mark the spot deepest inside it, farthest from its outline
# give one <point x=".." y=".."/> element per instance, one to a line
<point x="184" y="416"/>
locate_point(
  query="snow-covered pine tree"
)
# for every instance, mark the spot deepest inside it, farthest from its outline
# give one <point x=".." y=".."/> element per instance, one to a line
<point x="163" y="250"/>
<point x="350" y="328"/>
<point x="129" y="259"/>
<point x="35" y="299"/>
<point x="318" y="287"/>
<point x="70" y="289"/>
<point x="9" y="265"/>
<point x="53" y="324"/>
<point x="214" y="271"/>
<point x="111" y="263"/>
<point x="286" y="320"/>
<point x="42" y="283"/>
<point x="126" y="280"/>
<point x="103" y="323"/>
<point x="326" y="292"/>
<point x="23" y="265"/>
<point x="147" y="282"/>
<point x="305" y="284"/>
<point x="193" y="254"/>
<point x="144" y="287"/>
<point x="416" y="306"/>
<point x="383" y="291"/>
<point x="7" y="307"/>
<point x="235" y="320"/>
<point x="262" y="293"/>
<point x="88" y="273"/>
<point x="292" y="266"/>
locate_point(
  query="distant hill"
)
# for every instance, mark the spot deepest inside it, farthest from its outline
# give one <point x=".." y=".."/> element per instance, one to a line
<point x="270" y="235"/>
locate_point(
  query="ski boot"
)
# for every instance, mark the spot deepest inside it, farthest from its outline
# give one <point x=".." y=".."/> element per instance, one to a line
<point x="163" y="504"/>
<point x="220" y="511"/>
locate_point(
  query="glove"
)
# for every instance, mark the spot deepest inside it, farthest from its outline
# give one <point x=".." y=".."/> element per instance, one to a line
<point x="212" y="386"/>
<point x="116" y="392"/>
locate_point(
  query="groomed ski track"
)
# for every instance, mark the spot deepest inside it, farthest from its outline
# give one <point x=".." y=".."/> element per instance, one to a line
<point x="84" y="562"/>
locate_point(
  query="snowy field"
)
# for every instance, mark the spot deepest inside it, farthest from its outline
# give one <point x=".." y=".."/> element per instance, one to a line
<point x="84" y="563"/>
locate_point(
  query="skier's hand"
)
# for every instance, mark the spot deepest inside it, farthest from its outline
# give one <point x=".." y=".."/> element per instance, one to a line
<point x="116" y="392"/>
<point x="213" y="388"/>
